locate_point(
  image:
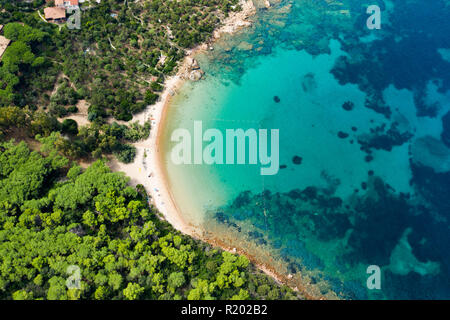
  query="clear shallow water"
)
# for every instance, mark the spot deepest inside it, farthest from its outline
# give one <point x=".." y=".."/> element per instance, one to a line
<point x="366" y="113"/>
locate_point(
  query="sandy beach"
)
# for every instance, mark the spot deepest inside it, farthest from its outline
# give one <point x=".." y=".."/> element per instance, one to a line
<point x="147" y="168"/>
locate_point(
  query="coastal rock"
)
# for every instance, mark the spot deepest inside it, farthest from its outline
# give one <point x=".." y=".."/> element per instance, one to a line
<point x="238" y="20"/>
<point x="196" y="75"/>
<point x="191" y="70"/>
<point x="192" y="64"/>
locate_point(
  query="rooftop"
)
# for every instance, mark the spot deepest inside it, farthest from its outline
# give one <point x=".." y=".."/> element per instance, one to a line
<point x="66" y="2"/>
<point x="54" y="13"/>
<point x="3" y="45"/>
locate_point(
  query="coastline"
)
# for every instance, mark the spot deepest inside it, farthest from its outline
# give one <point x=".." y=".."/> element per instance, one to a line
<point x="148" y="168"/>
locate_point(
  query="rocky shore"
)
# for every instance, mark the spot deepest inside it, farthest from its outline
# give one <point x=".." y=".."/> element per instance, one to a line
<point x="190" y="69"/>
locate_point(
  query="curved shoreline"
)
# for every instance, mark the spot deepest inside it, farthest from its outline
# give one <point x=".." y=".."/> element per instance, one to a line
<point x="154" y="176"/>
<point x="148" y="168"/>
<point x="168" y="205"/>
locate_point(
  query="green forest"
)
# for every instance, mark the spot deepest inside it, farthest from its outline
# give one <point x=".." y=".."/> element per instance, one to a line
<point x="55" y="216"/>
<point x="60" y="221"/>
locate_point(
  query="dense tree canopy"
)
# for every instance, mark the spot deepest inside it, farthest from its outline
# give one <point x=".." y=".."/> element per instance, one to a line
<point x="55" y="216"/>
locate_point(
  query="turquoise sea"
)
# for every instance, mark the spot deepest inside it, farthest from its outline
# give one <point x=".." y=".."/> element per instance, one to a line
<point x="364" y="123"/>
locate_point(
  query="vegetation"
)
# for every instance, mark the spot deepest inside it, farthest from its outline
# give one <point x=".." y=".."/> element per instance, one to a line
<point x="54" y="215"/>
<point x="116" y="63"/>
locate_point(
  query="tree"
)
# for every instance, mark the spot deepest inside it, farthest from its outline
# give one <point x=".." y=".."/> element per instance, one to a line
<point x="202" y="290"/>
<point x="150" y="97"/>
<point x="21" y="32"/>
<point x="243" y="295"/>
<point x="22" y="295"/>
<point x="70" y="126"/>
<point x="57" y="289"/>
<point x="11" y="117"/>
<point x="133" y="291"/>
<point x="16" y="54"/>
<point x="175" y="280"/>
<point x="126" y="153"/>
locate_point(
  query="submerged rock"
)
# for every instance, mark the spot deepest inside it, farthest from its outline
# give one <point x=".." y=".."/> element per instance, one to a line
<point x="297" y="160"/>
<point x="380" y="139"/>
<point x="431" y="152"/>
<point x="245" y="46"/>
<point x="403" y="261"/>
<point x="342" y="135"/>
<point x="276" y="99"/>
<point x="348" y="106"/>
<point x="309" y="82"/>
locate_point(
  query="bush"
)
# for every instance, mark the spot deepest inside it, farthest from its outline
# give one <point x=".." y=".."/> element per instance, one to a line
<point x="70" y="126"/>
<point x="126" y="153"/>
<point x="150" y="97"/>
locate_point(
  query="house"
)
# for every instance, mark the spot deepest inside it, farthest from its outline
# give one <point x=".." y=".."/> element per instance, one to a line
<point x="4" y="43"/>
<point x="55" y="14"/>
<point x="67" y="4"/>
